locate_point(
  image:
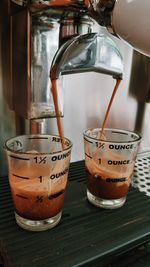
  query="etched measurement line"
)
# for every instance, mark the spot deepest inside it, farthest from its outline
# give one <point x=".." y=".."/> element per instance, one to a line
<point x="22" y="177"/>
<point x="88" y="140"/>
<point x="56" y="195"/>
<point x="88" y="156"/>
<point x="21" y="196"/>
<point x="15" y="157"/>
<point x="119" y="133"/>
<point x="36" y="137"/>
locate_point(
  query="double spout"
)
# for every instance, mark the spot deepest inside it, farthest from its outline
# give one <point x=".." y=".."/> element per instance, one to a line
<point x="88" y="53"/>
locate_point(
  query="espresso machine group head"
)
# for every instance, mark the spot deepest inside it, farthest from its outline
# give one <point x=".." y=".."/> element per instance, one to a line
<point x="58" y="35"/>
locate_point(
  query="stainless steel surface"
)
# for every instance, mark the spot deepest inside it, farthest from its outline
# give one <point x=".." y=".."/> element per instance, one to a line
<point x="140" y="78"/>
<point x="46" y="26"/>
<point x="37" y="126"/>
<point x="44" y="44"/>
<point x="116" y="15"/>
<point x="71" y="4"/>
<point x="87" y="53"/>
<point x="47" y="36"/>
<point x="101" y="10"/>
<point x="141" y="177"/>
<point x="32" y="51"/>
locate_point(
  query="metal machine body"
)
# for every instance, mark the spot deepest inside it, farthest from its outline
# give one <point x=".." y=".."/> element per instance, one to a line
<point x="45" y="27"/>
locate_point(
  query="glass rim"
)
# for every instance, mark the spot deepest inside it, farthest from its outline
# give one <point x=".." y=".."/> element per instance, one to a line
<point x="117" y="130"/>
<point x="5" y="146"/>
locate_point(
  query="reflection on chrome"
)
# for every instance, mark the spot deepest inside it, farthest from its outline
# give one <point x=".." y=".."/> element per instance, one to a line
<point x="89" y="52"/>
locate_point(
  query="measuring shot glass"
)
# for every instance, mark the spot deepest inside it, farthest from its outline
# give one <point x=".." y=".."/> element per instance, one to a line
<point x="109" y="163"/>
<point x="38" y="170"/>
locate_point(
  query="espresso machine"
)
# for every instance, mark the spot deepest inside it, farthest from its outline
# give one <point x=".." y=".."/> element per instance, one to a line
<point x="74" y="42"/>
<point x="45" y="40"/>
<point x="57" y="35"/>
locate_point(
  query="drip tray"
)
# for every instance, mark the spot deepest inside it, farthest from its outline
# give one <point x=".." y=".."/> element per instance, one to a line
<point x="141" y="178"/>
<point x="86" y="235"/>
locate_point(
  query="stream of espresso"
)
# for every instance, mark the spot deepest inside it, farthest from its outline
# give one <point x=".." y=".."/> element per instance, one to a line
<point x="56" y="106"/>
<point x="59" y="123"/>
<point x="118" y="81"/>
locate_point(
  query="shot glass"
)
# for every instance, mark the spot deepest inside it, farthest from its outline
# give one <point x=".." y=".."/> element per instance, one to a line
<point x="38" y="171"/>
<point x="109" y="161"/>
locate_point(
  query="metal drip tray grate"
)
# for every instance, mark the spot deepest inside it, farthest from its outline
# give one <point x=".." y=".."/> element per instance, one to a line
<point x="86" y="236"/>
<point x="141" y="177"/>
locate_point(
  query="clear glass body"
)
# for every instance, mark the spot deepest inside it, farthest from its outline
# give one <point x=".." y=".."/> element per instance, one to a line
<point x="109" y="161"/>
<point x="38" y="171"/>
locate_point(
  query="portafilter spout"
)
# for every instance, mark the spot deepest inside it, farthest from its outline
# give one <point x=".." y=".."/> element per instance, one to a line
<point x="88" y="53"/>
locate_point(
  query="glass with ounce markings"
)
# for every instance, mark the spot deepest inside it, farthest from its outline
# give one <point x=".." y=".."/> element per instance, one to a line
<point x="109" y="161"/>
<point x="38" y="171"/>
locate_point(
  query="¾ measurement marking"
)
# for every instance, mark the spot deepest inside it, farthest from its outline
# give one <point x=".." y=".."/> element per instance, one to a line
<point x="21" y="177"/>
<point x="14" y="157"/>
<point x="21" y="196"/>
